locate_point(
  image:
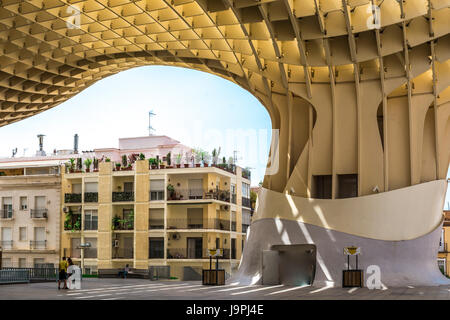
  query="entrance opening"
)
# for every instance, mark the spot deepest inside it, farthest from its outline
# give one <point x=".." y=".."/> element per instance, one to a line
<point x="293" y="264"/>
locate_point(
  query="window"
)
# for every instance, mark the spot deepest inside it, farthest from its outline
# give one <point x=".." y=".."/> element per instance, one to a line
<point x="91" y="187"/>
<point x="39" y="202"/>
<point x="195" y="218"/>
<point x="22" y="233"/>
<point x="246" y="217"/>
<point x="442" y="242"/>
<point x="23" y="203"/>
<point x="90" y="252"/>
<point x="38" y="262"/>
<point x="7" y="207"/>
<point x="6" y="263"/>
<point x="22" y="262"/>
<point x="128" y="187"/>
<point x="76" y="188"/>
<point x="156" y="219"/>
<point x="75" y="246"/>
<point x="347" y="185"/>
<point x="245" y="190"/>
<point x="90" y="220"/>
<point x="195" y="188"/>
<point x="156" y="190"/>
<point x="233" y="248"/>
<point x="6" y="238"/>
<point x="321" y="187"/>
<point x="156" y="248"/>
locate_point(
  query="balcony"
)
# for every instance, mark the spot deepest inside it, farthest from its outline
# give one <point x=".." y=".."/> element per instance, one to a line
<point x="199" y="194"/>
<point x="211" y="224"/>
<point x="245" y="228"/>
<point x="6" y="214"/>
<point x="246" y="202"/>
<point x="6" y="244"/>
<point x="90" y="253"/>
<point x="41" y="244"/>
<point x="72" y="197"/>
<point x="122" y="253"/>
<point x="72" y="222"/>
<point x="38" y="213"/>
<point x="91" y="197"/>
<point x="183" y="253"/>
<point x="123" y="196"/>
<point x="155" y="224"/>
<point x="246" y="174"/>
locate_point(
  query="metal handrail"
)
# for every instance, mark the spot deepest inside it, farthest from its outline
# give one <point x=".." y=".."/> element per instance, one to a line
<point x="38" y="213"/>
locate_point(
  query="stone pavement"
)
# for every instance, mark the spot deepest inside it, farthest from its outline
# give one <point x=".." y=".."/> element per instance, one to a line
<point x="120" y="289"/>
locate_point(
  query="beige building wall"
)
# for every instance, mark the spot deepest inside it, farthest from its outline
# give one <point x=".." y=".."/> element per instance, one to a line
<point x="47" y="186"/>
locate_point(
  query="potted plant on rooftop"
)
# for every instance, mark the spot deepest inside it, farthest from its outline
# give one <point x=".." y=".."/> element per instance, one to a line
<point x="198" y="156"/>
<point x="178" y="160"/>
<point x="206" y="158"/>
<point x="95" y="162"/>
<point x="188" y="156"/>
<point x="87" y="163"/>
<point x="79" y="165"/>
<point x="161" y="164"/>
<point x="215" y="156"/>
<point x="117" y="166"/>
<point x="169" y="160"/>
<point x="141" y="156"/>
<point x="124" y="162"/>
<point x="152" y="162"/>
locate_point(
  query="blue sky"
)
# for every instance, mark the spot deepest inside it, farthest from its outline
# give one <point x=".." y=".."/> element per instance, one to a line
<point x="196" y="108"/>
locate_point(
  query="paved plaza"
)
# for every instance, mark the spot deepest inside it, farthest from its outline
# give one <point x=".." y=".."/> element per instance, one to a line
<point x="131" y="289"/>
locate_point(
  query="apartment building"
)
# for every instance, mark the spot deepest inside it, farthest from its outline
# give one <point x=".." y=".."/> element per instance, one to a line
<point x="148" y="216"/>
<point x="30" y="193"/>
<point x="444" y="243"/>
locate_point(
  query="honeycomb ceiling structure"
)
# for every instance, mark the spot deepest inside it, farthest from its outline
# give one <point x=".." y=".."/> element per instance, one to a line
<point x="287" y="53"/>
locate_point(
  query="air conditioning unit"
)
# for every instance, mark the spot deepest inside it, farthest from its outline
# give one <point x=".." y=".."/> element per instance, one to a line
<point x="116" y="243"/>
<point x="65" y="209"/>
<point x="225" y="207"/>
<point x="176" y="236"/>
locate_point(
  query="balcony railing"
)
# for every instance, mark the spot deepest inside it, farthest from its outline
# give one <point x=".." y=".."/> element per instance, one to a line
<point x="6" y="214"/>
<point x="156" y="253"/>
<point x="122" y="196"/>
<point x="6" y="244"/>
<point x="199" y="194"/>
<point x="38" y="213"/>
<point x="246" y="174"/>
<point x="122" y="253"/>
<point x="72" y="197"/>
<point x="155" y="224"/>
<point x="246" y="202"/>
<point x="184" y="253"/>
<point x="212" y="224"/>
<point x="245" y="228"/>
<point x="123" y="225"/>
<point x="42" y="244"/>
<point x="91" y="197"/>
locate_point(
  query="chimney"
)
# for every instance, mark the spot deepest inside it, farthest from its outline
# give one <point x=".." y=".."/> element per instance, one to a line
<point x="41" y="151"/>
<point x="75" y="143"/>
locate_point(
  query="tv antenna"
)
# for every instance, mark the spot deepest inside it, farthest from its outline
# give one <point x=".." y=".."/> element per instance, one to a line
<point x="150" y="128"/>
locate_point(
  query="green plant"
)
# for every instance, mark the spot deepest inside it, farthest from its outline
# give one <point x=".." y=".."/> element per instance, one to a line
<point x="141" y="156"/>
<point x="79" y="164"/>
<point x="215" y="156"/>
<point x="87" y="163"/>
<point x="107" y="160"/>
<point x="95" y="163"/>
<point x="169" y="158"/>
<point x="170" y="188"/>
<point x="198" y="155"/>
<point x="118" y="165"/>
<point x="152" y="161"/>
<point x="178" y="158"/>
<point x="124" y="161"/>
<point x="115" y="222"/>
<point x="206" y="158"/>
<point x="72" y="164"/>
